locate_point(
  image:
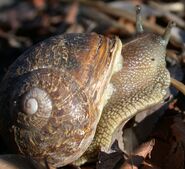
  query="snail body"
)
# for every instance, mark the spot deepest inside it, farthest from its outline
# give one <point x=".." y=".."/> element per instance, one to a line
<point x="53" y="95"/>
<point x="142" y="83"/>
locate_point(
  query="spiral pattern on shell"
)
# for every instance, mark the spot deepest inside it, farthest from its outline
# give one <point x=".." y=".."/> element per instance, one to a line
<point x="35" y="101"/>
<point x="49" y="98"/>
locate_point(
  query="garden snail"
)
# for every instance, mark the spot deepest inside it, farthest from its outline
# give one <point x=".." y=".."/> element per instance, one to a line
<point x="52" y="97"/>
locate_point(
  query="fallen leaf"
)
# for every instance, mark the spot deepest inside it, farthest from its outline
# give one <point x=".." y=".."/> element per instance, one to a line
<point x="138" y="156"/>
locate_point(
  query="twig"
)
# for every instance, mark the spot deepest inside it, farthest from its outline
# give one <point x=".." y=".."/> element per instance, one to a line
<point x="173" y="55"/>
<point x="178" y="85"/>
<point x="72" y="14"/>
<point x="168" y="14"/>
<point x="100" y="17"/>
<point x="173" y="7"/>
<point x="16" y="40"/>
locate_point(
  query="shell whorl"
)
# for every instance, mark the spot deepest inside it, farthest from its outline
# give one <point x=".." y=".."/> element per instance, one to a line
<point x="37" y="101"/>
<point x="52" y="93"/>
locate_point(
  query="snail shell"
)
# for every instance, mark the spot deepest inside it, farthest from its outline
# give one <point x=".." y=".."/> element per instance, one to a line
<point x="52" y="97"/>
<point x="37" y="101"/>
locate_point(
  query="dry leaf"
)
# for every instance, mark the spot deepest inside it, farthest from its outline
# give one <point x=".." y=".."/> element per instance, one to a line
<point x="136" y="159"/>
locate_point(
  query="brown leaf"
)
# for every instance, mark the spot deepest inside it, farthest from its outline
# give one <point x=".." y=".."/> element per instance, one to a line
<point x="178" y="130"/>
<point x="136" y="159"/>
<point x="109" y="161"/>
<point x="176" y="156"/>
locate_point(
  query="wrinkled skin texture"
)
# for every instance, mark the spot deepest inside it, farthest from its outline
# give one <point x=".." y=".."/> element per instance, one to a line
<point x="142" y="83"/>
<point x="68" y="74"/>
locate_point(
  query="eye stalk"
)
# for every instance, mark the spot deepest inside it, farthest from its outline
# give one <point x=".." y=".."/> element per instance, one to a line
<point x="139" y="26"/>
<point x="167" y="33"/>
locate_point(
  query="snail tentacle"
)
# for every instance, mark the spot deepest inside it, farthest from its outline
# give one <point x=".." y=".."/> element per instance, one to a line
<point x="139" y="26"/>
<point x="167" y="34"/>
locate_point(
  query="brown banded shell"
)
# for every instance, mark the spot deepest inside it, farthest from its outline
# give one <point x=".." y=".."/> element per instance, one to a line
<point x="52" y="96"/>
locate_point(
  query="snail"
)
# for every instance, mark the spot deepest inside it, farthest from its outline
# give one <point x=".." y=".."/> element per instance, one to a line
<point x="62" y="99"/>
